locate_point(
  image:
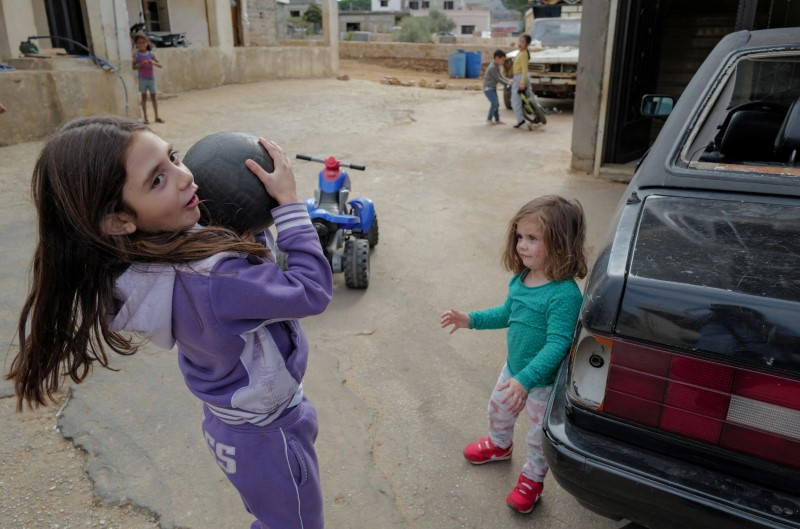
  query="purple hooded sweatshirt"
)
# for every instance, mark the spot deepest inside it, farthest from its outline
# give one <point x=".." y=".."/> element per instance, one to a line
<point x="240" y="347"/>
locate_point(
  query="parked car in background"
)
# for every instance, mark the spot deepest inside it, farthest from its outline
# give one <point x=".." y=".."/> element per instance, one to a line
<point x="679" y="405"/>
<point x="553" y="65"/>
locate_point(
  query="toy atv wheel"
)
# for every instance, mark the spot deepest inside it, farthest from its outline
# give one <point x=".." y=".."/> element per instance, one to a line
<point x="372" y="234"/>
<point x="355" y="263"/>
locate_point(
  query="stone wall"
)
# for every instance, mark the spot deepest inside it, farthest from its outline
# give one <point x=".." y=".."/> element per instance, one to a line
<point x="260" y="24"/>
<point x="39" y="100"/>
<point x="43" y="93"/>
<point x="407" y="50"/>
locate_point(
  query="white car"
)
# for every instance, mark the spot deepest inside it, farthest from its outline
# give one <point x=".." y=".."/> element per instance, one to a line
<point x="553" y="66"/>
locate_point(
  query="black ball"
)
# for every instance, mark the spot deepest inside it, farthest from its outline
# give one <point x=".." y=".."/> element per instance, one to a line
<point x="230" y="194"/>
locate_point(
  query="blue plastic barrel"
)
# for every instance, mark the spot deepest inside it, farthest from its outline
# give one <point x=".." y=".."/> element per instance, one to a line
<point x="457" y="64"/>
<point x="473" y="69"/>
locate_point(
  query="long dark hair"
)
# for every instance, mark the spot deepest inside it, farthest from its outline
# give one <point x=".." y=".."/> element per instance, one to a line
<point x="77" y="181"/>
<point x="563" y="232"/>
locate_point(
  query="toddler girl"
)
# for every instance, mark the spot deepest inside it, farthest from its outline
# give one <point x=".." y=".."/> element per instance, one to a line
<point x="120" y="249"/>
<point x="545" y="251"/>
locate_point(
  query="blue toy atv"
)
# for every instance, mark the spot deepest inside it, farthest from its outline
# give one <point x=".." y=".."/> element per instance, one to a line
<point x="347" y="227"/>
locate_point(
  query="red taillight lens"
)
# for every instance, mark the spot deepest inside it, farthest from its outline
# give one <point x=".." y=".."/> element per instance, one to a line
<point x="714" y="403"/>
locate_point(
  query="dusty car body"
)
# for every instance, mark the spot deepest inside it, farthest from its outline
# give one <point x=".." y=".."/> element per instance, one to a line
<point x="679" y="405"/>
<point x="553" y="64"/>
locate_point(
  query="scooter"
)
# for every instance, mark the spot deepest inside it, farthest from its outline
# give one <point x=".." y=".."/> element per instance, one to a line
<point x="347" y="227"/>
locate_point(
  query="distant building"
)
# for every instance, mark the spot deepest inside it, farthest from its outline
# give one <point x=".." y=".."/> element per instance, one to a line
<point x="470" y="18"/>
<point x="387" y="5"/>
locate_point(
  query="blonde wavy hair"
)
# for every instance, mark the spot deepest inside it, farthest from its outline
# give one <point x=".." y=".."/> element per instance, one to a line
<point x="563" y="232"/>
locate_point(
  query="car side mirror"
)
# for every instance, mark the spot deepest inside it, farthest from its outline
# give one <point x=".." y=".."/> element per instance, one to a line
<point x="657" y="106"/>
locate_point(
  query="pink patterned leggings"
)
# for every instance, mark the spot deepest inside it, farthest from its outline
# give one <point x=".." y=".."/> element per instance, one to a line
<point x="501" y="425"/>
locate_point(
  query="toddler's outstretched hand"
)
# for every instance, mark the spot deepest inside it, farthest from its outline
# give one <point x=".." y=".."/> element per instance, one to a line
<point x="456" y="318"/>
<point x="280" y="182"/>
<point x="517" y="395"/>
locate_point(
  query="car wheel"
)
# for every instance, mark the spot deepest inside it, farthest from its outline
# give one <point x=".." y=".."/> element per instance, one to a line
<point x="534" y="112"/>
<point x="355" y="263"/>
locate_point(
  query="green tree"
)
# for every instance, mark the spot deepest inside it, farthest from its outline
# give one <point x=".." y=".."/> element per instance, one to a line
<point x="414" y="29"/>
<point x="420" y="29"/>
<point x="313" y="15"/>
<point x="439" y="22"/>
<point x="517" y="5"/>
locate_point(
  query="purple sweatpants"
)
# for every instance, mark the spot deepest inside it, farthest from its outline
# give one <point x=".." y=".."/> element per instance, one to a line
<point x="273" y="467"/>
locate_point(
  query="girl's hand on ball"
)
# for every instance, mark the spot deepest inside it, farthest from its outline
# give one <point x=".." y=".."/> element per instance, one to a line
<point x="280" y="183"/>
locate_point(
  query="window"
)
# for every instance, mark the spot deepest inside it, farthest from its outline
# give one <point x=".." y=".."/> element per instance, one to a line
<point x="426" y="4"/>
<point x="156" y="15"/>
<point x="413" y="5"/>
<point x="384" y="3"/>
<point x="294" y="12"/>
<point x="467" y="30"/>
<point x="747" y="123"/>
<point x="448" y="4"/>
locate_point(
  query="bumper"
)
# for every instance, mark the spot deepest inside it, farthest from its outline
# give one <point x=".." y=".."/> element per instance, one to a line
<point x="620" y="480"/>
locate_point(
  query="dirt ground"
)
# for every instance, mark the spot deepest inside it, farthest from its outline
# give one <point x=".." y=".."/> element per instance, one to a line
<point x="55" y="474"/>
<point x="377" y="69"/>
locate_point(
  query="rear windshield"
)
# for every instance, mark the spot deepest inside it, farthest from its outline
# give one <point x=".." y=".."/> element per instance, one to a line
<point x="746" y="247"/>
<point x="744" y="125"/>
<point x="557" y="32"/>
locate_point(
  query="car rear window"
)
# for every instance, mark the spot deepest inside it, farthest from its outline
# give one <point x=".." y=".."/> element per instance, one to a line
<point x="743" y="125"/>
<point x="557" y="31"/>
<point x="746" y="247"/>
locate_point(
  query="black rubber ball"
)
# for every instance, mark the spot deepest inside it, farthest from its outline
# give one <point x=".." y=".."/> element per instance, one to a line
<point x="231" y="195"/>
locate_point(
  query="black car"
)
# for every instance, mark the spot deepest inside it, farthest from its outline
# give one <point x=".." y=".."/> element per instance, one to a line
<point x="679" y="405"/>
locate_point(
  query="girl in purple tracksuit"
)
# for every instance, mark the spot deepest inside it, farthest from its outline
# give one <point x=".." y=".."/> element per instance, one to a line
<point x="120" y="250"/>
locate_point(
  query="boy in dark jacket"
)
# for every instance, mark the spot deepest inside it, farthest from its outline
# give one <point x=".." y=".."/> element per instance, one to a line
<point x="490" y="80"/>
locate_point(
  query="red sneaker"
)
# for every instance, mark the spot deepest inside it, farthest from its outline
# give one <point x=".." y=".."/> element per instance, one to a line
<point x="484" y="451"/>
<point x="524" y="496"/>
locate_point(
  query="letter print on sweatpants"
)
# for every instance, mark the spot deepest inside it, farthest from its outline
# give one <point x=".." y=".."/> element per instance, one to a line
<point x="275" y="468"/>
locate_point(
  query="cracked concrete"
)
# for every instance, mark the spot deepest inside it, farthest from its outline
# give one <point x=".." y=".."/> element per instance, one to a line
<point x="397" y="396"/>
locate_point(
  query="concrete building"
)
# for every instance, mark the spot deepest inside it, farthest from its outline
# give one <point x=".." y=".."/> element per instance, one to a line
<point x="470" y="19"/>
<point x="387" y="5"/>
<point x="370" y="21"/>
<point x="230" y="42"/>
<point x="630" y="48"/>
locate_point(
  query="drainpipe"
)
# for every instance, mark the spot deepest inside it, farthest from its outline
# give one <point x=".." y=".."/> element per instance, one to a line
<point x="601" y="120"/>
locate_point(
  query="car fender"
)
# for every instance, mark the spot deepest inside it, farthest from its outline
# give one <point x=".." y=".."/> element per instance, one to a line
<point x="365" y="210"/>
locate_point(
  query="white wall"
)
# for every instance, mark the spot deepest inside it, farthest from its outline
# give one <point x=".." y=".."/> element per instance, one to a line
<point x="480" y="19"/>
<point x="392" y="5"/>
<point x="189" y="16"/>
<point x="17" y="23"/>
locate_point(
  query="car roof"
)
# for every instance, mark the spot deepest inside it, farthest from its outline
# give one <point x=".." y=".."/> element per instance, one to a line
<point x="658" y="169"/>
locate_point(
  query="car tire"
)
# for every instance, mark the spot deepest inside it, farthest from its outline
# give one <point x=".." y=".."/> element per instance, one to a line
<point x="372" y="234"/>
<point x="355" y="263"/>
<point x="507" y="98"/>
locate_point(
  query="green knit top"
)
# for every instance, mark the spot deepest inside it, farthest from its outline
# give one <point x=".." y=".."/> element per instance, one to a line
<point x="540" y="321"/>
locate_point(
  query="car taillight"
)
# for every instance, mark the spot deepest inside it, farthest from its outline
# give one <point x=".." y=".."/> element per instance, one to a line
<point x="730" y="407"/>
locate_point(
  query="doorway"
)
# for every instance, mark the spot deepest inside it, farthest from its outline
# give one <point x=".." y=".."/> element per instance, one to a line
<point x="65" y="19"/>
<point x="659" y="44"/>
